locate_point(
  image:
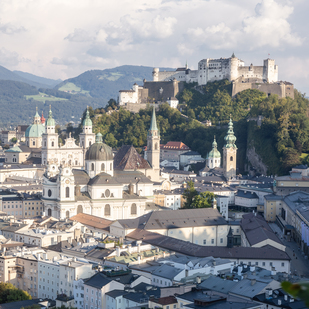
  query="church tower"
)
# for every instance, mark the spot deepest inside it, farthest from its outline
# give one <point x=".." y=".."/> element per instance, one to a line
<point x="229" y="153"/>
<point x="153" y="148"/>
<point x="49" y="138"/>
<point x="213" y="158"/>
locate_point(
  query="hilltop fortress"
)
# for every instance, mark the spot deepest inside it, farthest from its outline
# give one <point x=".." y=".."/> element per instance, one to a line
<point x="167" y="84"/>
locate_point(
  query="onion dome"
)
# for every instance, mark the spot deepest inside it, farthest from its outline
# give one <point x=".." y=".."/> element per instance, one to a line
<point x="42" y="119"/>
<point x="230" y="138"/>
<point x="50" y="121"/>
<point x="99" y="151"/>
<point x="214" y="153"/>
<point x="87" y="121"/>
<point x="36" y="129"/>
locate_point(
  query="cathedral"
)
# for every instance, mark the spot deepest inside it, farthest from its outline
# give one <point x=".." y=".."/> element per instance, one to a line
<point x="89" y="179"/>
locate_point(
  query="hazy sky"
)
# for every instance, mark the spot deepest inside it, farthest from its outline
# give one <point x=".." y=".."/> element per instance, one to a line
<point x="63" y="38"/>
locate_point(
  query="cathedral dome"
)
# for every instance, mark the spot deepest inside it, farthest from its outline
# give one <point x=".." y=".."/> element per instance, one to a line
<point x="35" y="130"/>
<point x="99" y="151"/>
<point x="214" y="153"/>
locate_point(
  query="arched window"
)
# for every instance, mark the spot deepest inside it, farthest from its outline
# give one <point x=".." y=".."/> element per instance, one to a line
<point x="107" y="210"/>
<point x="79" y="209"/>
<point x="133" y="209"/>
<point x="111" y="166"/>
<point x="102" y="167"/>
<point x="231" y="158"/>
<point x="156" y="146"/>
<point x="92" y="166"/>
<point x="70" y="162"/>
<point x="49" y="212"/>
<point x="67" y="192"/>
<point x="76" y="163"/>
<point x="53" y="144"/>
<point x="49" y="193"/>
<point x="67" y="214"/>
<point x="89" y="143"/>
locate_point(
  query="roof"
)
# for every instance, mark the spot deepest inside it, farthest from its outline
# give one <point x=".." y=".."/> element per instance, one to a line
<point x="217" y="284"/>
<point x="93" y="221"/>
<point x="168" y="300"/>
<point x="35" y="130"/>
<point x="167" y="271"/>
<point x="256" y="229"/>
<point x="98" y="281"/>
<point x="175" y="146"/>
<point x="246" y="194"/>
<point x="167" y="219"/>
<point x="184" y="247"/>
<point x="153" y="123"/>
<point x="21" y="304"/>
<point x="80" y="177"/>
<point x="127" y="158"/>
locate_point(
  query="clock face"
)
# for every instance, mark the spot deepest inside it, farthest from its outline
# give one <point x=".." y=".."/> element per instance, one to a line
<point x="67" y="181"/>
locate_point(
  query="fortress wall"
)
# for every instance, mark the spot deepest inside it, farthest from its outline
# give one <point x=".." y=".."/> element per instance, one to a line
<point x="166" y="76"/>
<point x="127" y="96"/>
<point x="142" y="95"/>
<point x="170" y="89"/>
<point x="251" y="72"/>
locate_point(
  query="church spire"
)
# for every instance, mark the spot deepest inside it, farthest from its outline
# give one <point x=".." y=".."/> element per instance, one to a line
<point x="230" y="138"/>
<point x="87" y="121"/>
<point x="153" y="124"/>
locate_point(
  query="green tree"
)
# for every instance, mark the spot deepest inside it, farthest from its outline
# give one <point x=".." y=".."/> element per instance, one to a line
<point x="9" y="293"/>
<point x="189" y="194"/>
<point x="203" y="200"/>
<point x="297" y="290"/>
<point x="14" y="140"/>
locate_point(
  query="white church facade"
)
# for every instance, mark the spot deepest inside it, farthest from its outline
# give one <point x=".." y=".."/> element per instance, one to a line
<point x="90" y="179"/>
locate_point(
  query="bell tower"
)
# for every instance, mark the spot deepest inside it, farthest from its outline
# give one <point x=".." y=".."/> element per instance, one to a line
<point x="229" y="153"/>
<point x="153" y="148"/>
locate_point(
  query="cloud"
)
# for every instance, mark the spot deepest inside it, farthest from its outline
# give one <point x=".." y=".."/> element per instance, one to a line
<point x="8" y="57"/>
<point x="79" y="35"/>
<point x="268" y="26"/>
<point x="11" y="29"/>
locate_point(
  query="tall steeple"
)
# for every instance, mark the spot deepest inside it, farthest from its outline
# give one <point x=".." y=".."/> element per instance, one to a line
<point x="87" y="121"/>
<point x="229" y="153"/>
<point x="230" y="138"/>
<point x="50" y="121"/>
<point x="37" y="119"/>
<point x="153" y="148"/>
<point x="153" y="123"/>
<point x="87" y="137"/>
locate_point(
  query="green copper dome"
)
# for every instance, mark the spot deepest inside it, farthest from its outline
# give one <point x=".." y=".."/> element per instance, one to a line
<point x="99" y="151"/>
<point x="50" y="121"/>
<point x="87" y="121"/>
<point x="214" y="153"/>
<point x="36" y="129"/>
<point x="230" y="138"/>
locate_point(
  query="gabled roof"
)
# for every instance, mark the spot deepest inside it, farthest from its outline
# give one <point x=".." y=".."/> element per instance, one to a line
<point x="93" y="221"/>
<point x="167" y="219"/>
<point x="98" y="281"/>
<point x="127" y="158"/>
<point x="175" y="146"/>
<point x="184" y="247"/>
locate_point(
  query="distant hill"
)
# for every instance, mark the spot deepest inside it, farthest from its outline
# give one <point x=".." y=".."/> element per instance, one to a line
<point x="105" y="84"/>
<point x="41" y="81"/>
<point x="21" y="92"/>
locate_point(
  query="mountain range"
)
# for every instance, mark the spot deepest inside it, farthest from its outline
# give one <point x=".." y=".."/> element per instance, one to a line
<point x="21" y="92"/>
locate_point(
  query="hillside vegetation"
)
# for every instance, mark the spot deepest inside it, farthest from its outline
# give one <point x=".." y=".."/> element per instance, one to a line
<point x="280" y="141"/>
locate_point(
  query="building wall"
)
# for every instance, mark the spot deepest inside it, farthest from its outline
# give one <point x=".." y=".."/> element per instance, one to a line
<point x="48" y="284"/>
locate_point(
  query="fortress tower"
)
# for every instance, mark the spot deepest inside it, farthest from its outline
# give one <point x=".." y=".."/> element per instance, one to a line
<point x="155" y="74"/>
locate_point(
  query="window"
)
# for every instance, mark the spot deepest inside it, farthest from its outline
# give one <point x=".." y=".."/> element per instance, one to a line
<point x="231" y="158"/>
<point x="107" y="210"/>
<point x="67" y="192"/>
<point x="92" y="166"/>
<point x="221" y="240"/>
<point x="263" y="263"/>
<point x="102" y="167"/>
<point x="133" y="209"/>
<point x="212" y="241"/>
<point x="49" y="193"/>
<point x="204" y="242"/>
<point x="79" y="209"/>
<point x="53" y="144"/>
<point x="282" y="264"/>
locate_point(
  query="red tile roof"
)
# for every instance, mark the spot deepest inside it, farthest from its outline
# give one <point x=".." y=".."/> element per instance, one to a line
<point x="175" y="146"/>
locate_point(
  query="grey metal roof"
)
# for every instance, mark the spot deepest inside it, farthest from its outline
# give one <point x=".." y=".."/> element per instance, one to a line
<point x="246" y="194"/>
<point x="217" y="284"/>
<point x="167" y="219"/>
<point x="184" y="247"/>
<point x="80" y="177"/>
<point x="98" y="281"/>
<point x="246" y="288"/>
<point x="167" y="271"/>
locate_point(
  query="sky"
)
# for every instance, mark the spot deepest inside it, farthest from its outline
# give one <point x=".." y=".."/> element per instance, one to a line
<point x="64" y="38"/>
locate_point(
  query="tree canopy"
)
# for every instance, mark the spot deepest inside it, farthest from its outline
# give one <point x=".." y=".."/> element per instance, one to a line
<point x="9" y="293"/>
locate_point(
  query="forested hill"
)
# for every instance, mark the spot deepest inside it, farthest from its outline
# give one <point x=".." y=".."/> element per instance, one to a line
<point x="281" y="141"/>
<point x="105" y="84"/>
